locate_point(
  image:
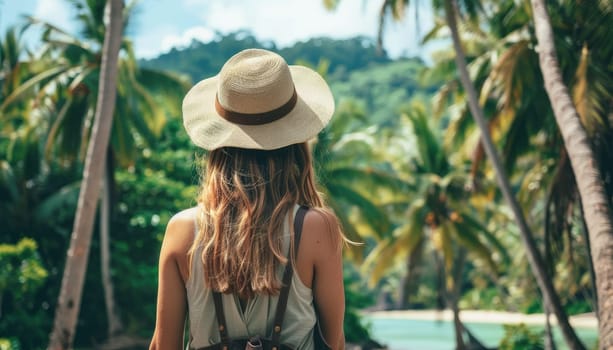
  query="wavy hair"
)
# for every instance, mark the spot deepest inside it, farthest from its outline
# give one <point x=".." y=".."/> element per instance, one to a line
<point x="245" y="197"/>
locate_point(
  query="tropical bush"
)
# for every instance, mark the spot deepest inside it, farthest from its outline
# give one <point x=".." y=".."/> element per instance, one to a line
<point x="9" y="344"/>
<point x="520" y="337"/>
<point x="22" y="275"/>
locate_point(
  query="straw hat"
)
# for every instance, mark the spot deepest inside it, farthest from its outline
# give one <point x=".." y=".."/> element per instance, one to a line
<point x="257" y="101"/>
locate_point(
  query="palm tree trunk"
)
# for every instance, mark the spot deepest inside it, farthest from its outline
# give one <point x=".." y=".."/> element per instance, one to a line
<point x="549" y="344"/>
<point x="114" y="321"/>
<point x="411" y="274"/>
<point x="534" y="257"/>
<point x="596" y="206"/>
<point x="454" y="298"/>
<point x="586" y="237"/>
<point x="457" y="325"/>
<point x="69" y="301"/>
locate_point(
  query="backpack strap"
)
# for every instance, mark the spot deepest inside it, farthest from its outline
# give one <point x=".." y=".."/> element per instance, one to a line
<point x="221" y="321"/>
<point x="287" y="280"/>
<point x="283" y="295"/>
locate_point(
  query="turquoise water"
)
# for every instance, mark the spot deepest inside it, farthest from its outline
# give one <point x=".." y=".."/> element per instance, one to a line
<point x="404" y="334"/>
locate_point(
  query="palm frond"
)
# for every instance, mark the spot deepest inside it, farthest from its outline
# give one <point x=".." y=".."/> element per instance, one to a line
<point x="429" y="147"/>
<point x="65" y="196"/>
<point x="435" y="32"/>
<point x="55" y="127"/>
<point x="380" y="260"/>
<point x="471" y="241"/>
<point x="73" y="126"/>
<point x="369" y="178"/>
<point x="401" y="243"/>
<point x="8" y="182"/>
<point x="48" y="26"/>
<point x="122" y="139"/>
<point x="355" y="251"/>
<point x="585" y="95"/>
<point x="468" y="223"/>
<point x="369" y="211"/>
<point x="31" y="83"/>
<point x="445" y="247"/>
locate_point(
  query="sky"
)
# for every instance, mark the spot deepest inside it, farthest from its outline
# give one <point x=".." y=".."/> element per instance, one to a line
<point x="159" y="25"/>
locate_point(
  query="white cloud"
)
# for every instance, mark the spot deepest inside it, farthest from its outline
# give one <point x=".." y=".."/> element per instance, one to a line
<point x="56" y="12"/>
<point x="283" y="22"/>
<point x="199" y="33"/>
<point x="288" y="21"/>
<point x="293" y="20"/>
<point x="162" y="39"/>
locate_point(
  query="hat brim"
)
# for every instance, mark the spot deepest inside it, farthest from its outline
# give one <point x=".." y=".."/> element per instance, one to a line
<point x="207" y="129"/>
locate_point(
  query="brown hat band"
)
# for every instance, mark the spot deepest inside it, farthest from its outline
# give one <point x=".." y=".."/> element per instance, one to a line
<point x="256" y="118"/>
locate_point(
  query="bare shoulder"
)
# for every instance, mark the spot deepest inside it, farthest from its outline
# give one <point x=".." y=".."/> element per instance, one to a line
<point x="321" y="232"/>
<point x="178" y="240"/>
<point x="180" y="231"/>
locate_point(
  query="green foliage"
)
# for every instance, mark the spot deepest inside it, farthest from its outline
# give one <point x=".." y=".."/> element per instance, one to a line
<point x="355" y="299"/>
<point x="21" y="277"/>
<point x="201" y="60"/>
<point x="144" y="97"/>
<point x="485" y="299"/>
<point x="147" y="201"/>
<point x="385" y="89"/>
<point x="22" y="272"/>
<point x="344" y="56"/>
<point x="520" y="337"/>
<point x="576" y="307"/>
<point x="9" y="344"/>
<point x="433" y="210"/>
<point x="355" y="331"/>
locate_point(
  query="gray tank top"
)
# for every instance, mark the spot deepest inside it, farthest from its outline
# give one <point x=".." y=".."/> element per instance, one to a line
<point x="259" y="313"/>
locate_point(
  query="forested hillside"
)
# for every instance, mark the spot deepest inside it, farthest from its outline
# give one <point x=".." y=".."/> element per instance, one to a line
<point x="354" y="67"/>
<point x="201" y="60"/>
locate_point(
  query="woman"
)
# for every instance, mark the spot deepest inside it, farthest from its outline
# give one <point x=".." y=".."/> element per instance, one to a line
<point x="255" y="117"/>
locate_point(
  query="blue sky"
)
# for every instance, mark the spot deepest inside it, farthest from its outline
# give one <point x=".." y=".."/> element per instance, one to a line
<point x="162" y="24"/>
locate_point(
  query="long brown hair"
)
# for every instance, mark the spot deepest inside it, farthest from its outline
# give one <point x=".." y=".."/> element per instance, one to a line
<point x="245" y="197"/>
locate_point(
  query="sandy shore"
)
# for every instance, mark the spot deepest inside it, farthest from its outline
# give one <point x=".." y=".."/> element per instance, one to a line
<point x="479" y="316"/>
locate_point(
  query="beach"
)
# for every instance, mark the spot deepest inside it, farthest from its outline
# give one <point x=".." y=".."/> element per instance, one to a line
<point x="587" y="320"/>
<point x="433" y="330"/>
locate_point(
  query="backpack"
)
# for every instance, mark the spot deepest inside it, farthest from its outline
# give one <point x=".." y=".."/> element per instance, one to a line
<point x="273" y="341"/>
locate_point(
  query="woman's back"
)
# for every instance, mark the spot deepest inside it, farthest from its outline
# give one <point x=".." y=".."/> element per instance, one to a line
<point x="257" y="315"/>
<point x="318" y="275"/>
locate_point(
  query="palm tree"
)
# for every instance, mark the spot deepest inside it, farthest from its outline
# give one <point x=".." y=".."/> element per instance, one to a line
<point x="72" y="81"/>
<point x="436" y="212"/>
<point x="596" y="205"/>
<point x="515" y="84"/>
<point x="533" y="254"/>
<point x="11" y="64"/>
<point x="505" y="70"/>
<point x="72" y="282"/>
<point x="17" y="66"/>
<point x="354" y="189"/>
<point x="24" y="184"/>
